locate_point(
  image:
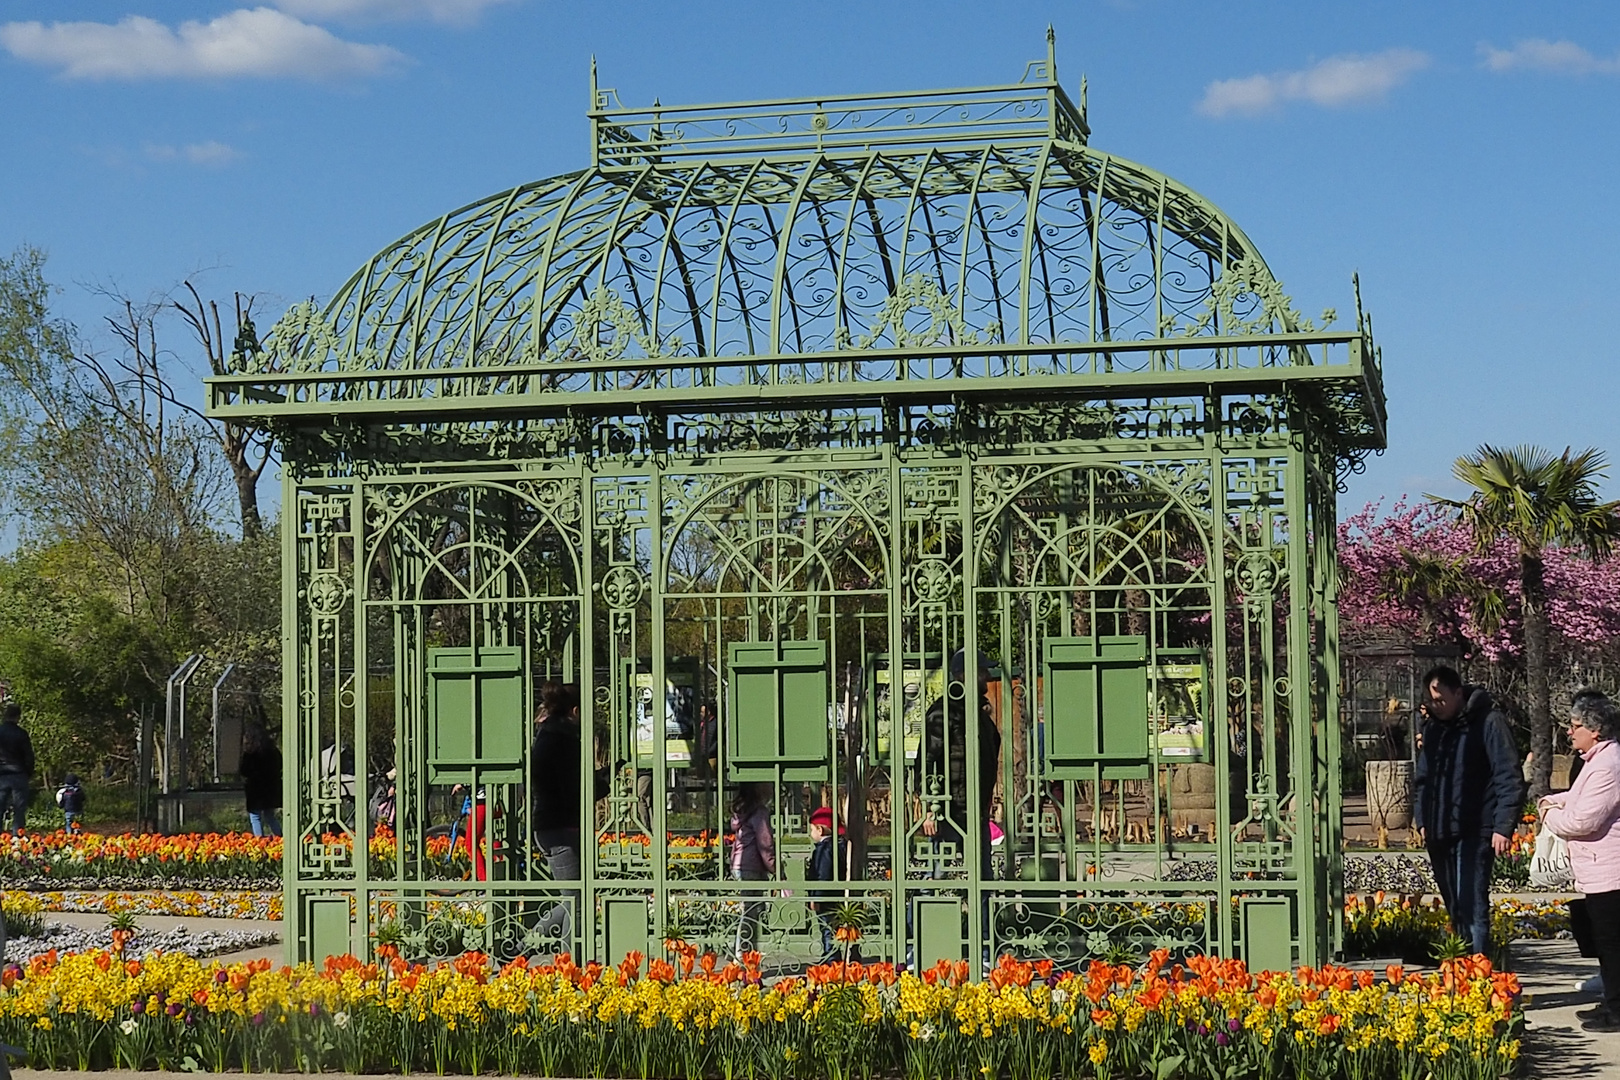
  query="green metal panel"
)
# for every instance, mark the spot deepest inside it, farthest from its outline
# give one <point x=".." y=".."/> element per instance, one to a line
<point x="778" y="709"/>
<point x="328" y="928"/>
<point x="1097" y="703"/>
<point x="477" y="715"/>
<point x="625" y="926"/>
<point x="1268" y="934"/>
<point x="939" y="931"/>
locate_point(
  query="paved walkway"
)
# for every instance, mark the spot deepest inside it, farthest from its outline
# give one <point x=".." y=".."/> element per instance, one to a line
<point x="1555" y="1047"/>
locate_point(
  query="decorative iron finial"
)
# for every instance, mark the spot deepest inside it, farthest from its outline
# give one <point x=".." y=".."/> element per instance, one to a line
<point x="1051" y="53"/>
<point x="1083" y="98"/>
<point x="595" y="140"/>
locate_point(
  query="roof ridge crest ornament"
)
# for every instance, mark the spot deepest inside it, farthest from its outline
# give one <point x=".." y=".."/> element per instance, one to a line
<point x="303" y="340"/>
<point x="1272" y="308"/>
<point x="1043" y="70"/>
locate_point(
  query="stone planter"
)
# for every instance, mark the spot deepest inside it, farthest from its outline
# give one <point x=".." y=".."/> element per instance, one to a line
<point x="1389" y="794"/>
<point x="1191" y="787"/>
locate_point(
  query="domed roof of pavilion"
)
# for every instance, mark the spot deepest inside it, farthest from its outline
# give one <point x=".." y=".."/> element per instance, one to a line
<point x="861" y="229"/>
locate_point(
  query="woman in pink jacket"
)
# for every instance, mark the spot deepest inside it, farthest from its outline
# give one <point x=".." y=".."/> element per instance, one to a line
<point x="753" y="855"/>
<point x="1588" y="816"/>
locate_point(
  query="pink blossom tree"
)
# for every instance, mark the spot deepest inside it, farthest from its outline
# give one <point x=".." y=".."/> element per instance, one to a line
<point x="1377" y="551"/>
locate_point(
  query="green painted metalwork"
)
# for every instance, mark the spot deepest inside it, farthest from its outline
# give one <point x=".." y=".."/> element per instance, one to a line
<point x="817" y="408"/>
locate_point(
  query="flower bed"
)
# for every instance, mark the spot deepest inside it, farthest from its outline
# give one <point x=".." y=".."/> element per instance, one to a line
<point x="1394" y="872"/>
<point x="224" y="904"/>
<point x="1402" y="926"/>
<point x="241" y="860"/>
<point x="22" y="913"/>
<point x="1534" y="919"/>
<point x="139" y="859"/>
<point x="1415" y="930"/>
<point x="1511" y="869"/>
<point x="693" y="1018"/>
<point x="229" y="861"/>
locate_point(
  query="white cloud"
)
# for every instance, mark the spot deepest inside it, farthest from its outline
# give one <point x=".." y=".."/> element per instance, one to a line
<point x="1539" y="54"/>
<point x="461" y="12"/>
<point x="1338" y="80"/>
<point x="258" y="42"/>
<point x="211" y="153"/>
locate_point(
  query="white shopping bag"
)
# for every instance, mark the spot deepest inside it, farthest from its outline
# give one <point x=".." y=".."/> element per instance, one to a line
<point x="1549" y="866"/>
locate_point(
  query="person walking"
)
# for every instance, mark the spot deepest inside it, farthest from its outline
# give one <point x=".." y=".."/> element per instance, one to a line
<point x="1588" y="816"/>
<point x="556" y="810"/>
<point x="16" y="766"/>
<point x="753" y="855"/>
<point x="944" y="766"/>
<point x="70" y="800"/>
<point x="260" y="769"/>
<point x="1468" y="793"/>
<point x="820" y="867"/>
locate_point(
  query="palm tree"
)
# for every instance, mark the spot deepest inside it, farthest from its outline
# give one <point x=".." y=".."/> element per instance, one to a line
<point x="1537" y="500"/>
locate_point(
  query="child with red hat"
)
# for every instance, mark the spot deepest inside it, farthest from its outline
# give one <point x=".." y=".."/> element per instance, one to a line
<point x="820" y="868"/>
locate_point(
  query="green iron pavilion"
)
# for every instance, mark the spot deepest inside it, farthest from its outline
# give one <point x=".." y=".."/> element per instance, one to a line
<point x="816" y="409"/>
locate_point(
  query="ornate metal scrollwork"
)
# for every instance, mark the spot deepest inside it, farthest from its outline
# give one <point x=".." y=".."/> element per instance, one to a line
<point x="327" y="594"/>
<point x="1072" y="932"/>
<point x="622" y="587"/>
<point x="933" y="581"/>
<point x="945" y="323"/>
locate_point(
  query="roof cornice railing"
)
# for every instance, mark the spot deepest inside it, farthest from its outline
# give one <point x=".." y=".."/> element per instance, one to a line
<point x="1027" y="112"/>
<point x="1343" y="366"/>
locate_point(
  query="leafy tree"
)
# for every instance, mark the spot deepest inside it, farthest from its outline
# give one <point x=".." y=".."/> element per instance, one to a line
<point x="78" y="663"/>
<point x="1537" y="501"/>
<point x="125" y="490"/>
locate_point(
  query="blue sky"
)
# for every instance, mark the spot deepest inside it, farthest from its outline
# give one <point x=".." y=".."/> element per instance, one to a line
<point x="1461" y="156"/>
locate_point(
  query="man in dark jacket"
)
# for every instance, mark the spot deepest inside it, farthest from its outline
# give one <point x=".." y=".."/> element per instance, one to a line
<point x="1469" y="793"/>
<point x="556" y="808"/>
<point x="16" y="766"/>
<point x="944" y="768"/>
<point x="260" y="769"/>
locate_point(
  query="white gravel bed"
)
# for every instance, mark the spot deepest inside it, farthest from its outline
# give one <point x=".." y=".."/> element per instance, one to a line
<point x="197" y="943"/>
